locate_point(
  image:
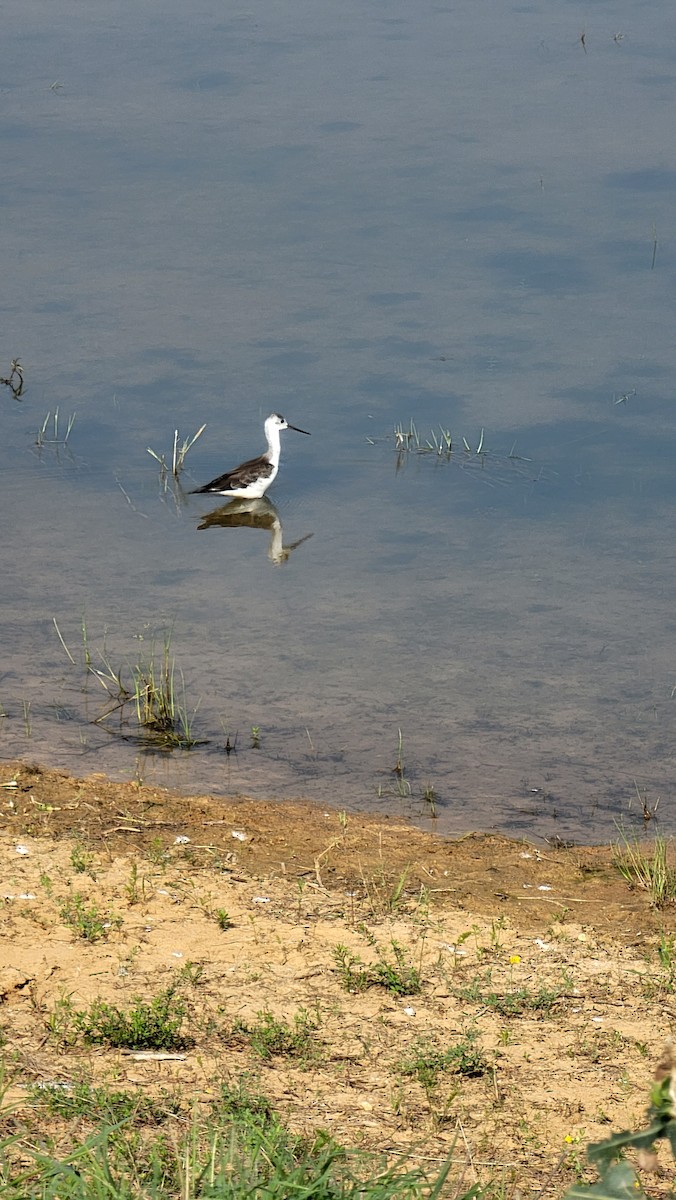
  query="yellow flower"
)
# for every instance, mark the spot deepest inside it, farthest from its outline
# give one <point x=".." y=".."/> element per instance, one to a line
<point x="515" y="958"/>
<point x="568" y="1138"/>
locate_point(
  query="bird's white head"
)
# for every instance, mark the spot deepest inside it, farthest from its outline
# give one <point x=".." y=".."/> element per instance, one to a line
<point x="276" y="421"/>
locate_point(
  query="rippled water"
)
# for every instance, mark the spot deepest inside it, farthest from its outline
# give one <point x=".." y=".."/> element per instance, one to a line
<point x="360" y="216"/>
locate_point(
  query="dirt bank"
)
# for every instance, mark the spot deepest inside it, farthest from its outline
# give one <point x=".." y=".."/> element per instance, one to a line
<point x="539" y="964"/>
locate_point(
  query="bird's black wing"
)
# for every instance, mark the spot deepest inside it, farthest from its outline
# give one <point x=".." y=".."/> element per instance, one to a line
<point x="243" y="475"/>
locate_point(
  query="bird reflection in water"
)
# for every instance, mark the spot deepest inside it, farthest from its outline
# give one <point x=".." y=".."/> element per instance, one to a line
<point x="254" y="514"/>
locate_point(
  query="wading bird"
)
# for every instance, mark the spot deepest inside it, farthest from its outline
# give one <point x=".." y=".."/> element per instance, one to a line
<point x="253" y="478"/>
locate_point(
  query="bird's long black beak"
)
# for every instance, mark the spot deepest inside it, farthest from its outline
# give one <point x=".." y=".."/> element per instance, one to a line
<point x="297" y="430"/>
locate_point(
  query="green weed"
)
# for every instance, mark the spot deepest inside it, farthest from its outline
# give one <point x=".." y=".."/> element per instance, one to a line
<point x="651" y="873"/>
<point x="236" y="1100"/>
<point x="191" y="973"/>
<point x="135" y="889"/>
<point x="394" y="973"/>
<point x="155" y="693"/>
<point x="426" y="1061"/>
<point x="513" y="1002"/>
<point x="269" y="1036"/>
<point x="146" y="1026"/>
<point x="82" y="860"/>
<point x="663" y="983"/>
<point x="86" y="920"/>
<point x="60" y="1020"/>
<point x="160" y="712"/>
<point x="430" y="798"/>
<point x="382" y="895"/>
<point x="401" y="786"/>
<point x="353" y="974"/>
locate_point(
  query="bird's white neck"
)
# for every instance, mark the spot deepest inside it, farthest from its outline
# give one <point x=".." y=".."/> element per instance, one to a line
<point x="274" y="442"/>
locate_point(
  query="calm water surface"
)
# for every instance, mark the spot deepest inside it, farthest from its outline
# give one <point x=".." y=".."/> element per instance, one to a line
<point x="357" y="215"/>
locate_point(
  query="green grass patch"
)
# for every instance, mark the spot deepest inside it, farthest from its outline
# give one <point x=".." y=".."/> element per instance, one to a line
<point x="208" y="1159"/>
<point x="426" y="1060"/>
<point x="153" y="1025"/>
<point x="237" y="1100"/>
<point x="649" y="871"/>
<point x="86" y="920"/>
<point x="99" y="1104"/>
<point x="512" y="1002"/>
<point x="269" y="1036"/>
<point x="392" y="970"/>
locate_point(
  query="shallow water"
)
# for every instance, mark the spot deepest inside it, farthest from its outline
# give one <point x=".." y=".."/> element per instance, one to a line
<point x="456" y="215"/>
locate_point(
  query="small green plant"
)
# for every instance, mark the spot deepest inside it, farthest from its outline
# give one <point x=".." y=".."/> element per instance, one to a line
<point x="157" y="852"/>
<point x="513" y="1002"/>
<point x="410" y="440"/>
<point x="402" y="786"/>
<point x="223" y="919"/>
<point x="666" y="952"/>
<point x="353" y="974"/>
<point x="60" y="1020"/>
<point x="426" y="1060"/>
<point x="664" y="982"/>
<point x="146" y="1026"/>
<point x="383" y="895"/>
<point x="651" y="873"/>
<point x="159" y="710"/>
<point x="255" y="737"/>
<point x="134" y="889"/>
<point x="395" y="973"/>
<point x="269" y="1036"/>
<point x="236" y="1100"/>
<point x="82" y="860"/>
<point x="156" y="692"/>
<point x="191" y="973"/>
<point x="86" y="920"/>
<point x="430" y="799"/>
